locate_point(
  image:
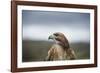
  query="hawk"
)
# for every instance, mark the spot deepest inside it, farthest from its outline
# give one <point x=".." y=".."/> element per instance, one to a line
<point x="60" y="50"/>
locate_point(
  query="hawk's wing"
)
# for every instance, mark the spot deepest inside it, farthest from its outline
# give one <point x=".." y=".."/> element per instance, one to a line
<point x="71" y="54"/>
<point x="58" y="53"/>
<point x="50" y="54"/>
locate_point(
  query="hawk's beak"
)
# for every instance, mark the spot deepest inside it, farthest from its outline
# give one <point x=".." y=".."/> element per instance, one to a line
<point x="51" y="37"/>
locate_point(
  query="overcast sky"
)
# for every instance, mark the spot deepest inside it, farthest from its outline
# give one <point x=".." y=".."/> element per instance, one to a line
<point x="38" y="25"/>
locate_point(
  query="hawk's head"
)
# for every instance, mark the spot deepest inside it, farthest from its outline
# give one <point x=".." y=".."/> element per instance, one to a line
<point x="59" y="38"/>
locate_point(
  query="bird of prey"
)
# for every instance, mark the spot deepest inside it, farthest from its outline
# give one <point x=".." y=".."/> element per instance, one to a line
<point x="60" y="50"/>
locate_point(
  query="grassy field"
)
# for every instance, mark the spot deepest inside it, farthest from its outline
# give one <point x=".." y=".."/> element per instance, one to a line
<point x="37" y="50"/>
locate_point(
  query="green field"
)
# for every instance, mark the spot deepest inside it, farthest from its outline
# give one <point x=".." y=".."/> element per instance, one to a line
<point x="37" y="50"/>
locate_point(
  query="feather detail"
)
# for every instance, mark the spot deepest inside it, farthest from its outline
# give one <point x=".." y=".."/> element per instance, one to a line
<point x="61" y="49"/>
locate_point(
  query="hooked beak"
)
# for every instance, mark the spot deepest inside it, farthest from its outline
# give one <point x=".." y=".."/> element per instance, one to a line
<point x="51" y="37"/>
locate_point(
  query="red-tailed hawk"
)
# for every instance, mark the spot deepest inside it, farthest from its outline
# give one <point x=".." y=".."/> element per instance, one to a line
<point x="60" y="50"/>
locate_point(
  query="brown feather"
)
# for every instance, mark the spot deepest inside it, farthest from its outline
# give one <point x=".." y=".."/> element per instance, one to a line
<point x="61" y="50"/>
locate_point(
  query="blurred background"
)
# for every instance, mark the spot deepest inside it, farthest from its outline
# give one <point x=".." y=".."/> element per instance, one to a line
<point x="38" y="25"/>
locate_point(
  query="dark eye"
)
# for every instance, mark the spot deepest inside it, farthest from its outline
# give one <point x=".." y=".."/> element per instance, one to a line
<point x="56" y="34"/>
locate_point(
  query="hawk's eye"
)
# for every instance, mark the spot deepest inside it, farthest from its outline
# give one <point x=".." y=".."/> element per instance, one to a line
<point x="56" y="34"/>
